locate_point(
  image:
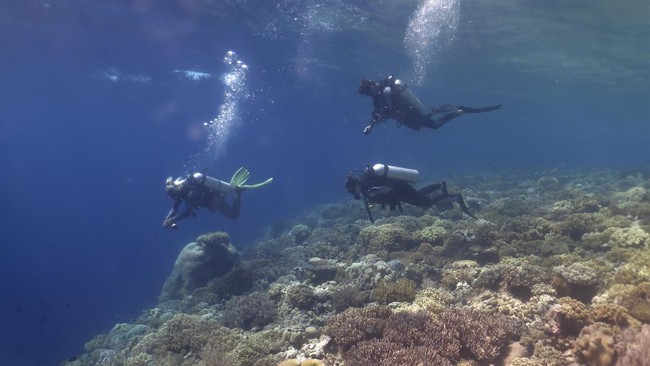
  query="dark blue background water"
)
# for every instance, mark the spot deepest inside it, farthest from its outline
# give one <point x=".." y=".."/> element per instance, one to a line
<point x="83" y="158"/>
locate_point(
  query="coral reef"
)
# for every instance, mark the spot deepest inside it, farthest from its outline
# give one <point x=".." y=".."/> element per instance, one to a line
<point x="401" y="290"/>
<point x="556" y="271"/>
<point x="246" y="312"/>
<point x="636" y="351"/>
<point x="385" y="336"/>
<point x="595" y="345"/>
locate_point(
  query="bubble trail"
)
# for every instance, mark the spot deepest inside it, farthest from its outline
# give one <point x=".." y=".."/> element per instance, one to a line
<point x="221" y="127"/>
<point x="431" y="28"/>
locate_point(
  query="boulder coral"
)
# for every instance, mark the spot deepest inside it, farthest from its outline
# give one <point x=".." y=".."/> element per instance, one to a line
<point x="211" y="256"/>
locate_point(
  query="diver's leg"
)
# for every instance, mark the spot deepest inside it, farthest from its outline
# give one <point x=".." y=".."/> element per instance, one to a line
<point x="416" y="198"/>
<point x="426" y="190"/>
<point x="229" y="211"/>
<point x="437" y="123"/>
<point x="479" y="110"/>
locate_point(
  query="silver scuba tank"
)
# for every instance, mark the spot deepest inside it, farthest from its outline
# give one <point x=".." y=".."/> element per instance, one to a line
<point x="410" y="98"/>
<point x="395" y="172"/>
<point x="211" y="182"/>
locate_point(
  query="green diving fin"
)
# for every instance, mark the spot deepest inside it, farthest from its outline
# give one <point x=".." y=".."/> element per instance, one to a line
<point x="252" y="186"/>
<point x="240" y="177"/>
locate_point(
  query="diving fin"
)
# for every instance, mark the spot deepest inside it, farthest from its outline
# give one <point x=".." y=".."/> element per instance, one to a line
<point x="480" y="110"/>
<point x="251" y="186"/>
<point x="240" y="177"/>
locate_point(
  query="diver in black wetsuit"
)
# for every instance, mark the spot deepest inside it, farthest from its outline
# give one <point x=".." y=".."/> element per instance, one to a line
<point x="380" y="189"/>
<point x="197" y="195"/>
<point x="391" y="98"/>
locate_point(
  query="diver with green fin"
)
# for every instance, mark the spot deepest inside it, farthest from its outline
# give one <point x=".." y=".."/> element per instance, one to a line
<point x="199" y="190"/>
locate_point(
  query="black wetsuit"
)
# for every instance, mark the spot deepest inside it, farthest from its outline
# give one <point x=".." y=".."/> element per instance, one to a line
<point x="384" y="191"/>
<point x="196" y="196"/>
<point x="392" y="99"/>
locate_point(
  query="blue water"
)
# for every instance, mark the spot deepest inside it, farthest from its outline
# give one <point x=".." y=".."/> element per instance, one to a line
<point x="93" y="118"/>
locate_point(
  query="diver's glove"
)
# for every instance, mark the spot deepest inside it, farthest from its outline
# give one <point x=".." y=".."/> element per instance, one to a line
<point x="170" y="223"/>
<point x="241" y="176"/>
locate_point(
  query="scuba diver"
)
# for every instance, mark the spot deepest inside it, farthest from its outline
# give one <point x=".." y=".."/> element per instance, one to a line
<point x="391" y="98"/>
<point x="389" y="185"/>
<point x="198" y="190"/>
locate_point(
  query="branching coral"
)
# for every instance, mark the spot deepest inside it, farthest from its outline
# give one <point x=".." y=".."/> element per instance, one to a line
<point x="354" y="325"/>
<point x="400" y="337"/>
<point x="482" y="335"/>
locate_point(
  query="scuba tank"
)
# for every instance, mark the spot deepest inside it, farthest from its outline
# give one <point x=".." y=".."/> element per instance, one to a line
<point x="394" y="172"/>
<point x="405" y="99"/>
<point x="211" y="182"/>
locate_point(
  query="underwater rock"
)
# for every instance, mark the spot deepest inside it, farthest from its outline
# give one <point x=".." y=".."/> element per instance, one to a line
<point x="211" y="256"/>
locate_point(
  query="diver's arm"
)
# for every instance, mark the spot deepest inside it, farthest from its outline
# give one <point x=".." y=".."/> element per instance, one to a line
<point x="170" y="219"/>
<point x="377" y="117"/>
<point x="189" y="211"/>
<point x="367" y="204"/>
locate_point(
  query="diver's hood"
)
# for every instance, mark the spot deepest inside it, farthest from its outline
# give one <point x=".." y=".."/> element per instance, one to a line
<point x="174" y="187"/>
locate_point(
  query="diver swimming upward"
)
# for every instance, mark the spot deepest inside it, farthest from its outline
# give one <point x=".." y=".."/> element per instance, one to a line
<point x="392" y="99"/>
